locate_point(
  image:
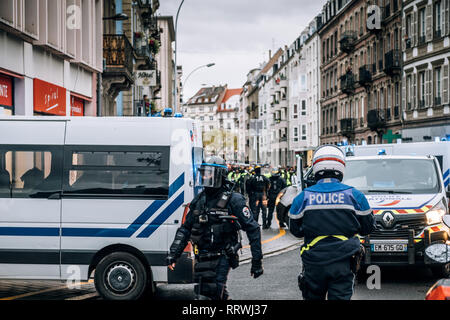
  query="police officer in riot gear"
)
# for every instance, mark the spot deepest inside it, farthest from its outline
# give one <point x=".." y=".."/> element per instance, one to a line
<point x="213" y="225"/>
<point x="276" y="185"/>
<point x="257" y="187"/>
<point x="329" y="215"/>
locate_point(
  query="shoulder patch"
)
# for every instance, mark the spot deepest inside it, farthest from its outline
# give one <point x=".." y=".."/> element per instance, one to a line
<point x="246" y="212"/>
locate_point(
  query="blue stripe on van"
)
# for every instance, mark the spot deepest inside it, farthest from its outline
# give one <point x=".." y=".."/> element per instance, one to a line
<point x="446" y="174"/>
<point x="101" y="232"/>
<point x="163" y="216"/>
<point x="446" y="182"/>
<point x="29" y="231"/>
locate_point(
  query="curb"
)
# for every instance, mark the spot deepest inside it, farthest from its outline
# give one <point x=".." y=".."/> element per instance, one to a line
<point x="274" y="252"/>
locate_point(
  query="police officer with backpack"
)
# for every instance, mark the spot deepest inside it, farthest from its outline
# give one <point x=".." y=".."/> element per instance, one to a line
<point x="257" y="188"/>
<point x="213" y="225"/>
<point x="330" y="215"/>
<point x="276" y="185"/>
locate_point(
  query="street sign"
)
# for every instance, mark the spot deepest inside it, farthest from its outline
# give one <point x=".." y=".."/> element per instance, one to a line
<point x="146" y="78"/>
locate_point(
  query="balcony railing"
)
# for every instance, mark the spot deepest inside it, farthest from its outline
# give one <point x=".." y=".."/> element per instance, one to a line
<point x="118" y="53"/>
<point x="376" y="119"/>
<point x="347" y="83"/>
<point x="347" y="41"/>
<point x="348" y="126"/>
<point x="393" y="62"/>
<point x="365" y="76"/>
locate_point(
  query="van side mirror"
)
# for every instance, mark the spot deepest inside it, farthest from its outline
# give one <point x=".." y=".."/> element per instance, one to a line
<point x="446" y="220"/>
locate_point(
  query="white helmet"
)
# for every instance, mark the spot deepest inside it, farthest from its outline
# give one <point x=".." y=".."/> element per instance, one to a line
<point x="328" y="162"/>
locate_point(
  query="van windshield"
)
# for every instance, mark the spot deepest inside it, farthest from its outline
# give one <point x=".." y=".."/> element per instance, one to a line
<point x="410" y="176"/>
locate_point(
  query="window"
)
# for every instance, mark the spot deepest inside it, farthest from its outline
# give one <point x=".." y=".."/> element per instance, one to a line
<point x="211" y="118"/>
<point x="303" y="132"/>
<point x="437" y="86"/>
<point x="295" y="111"/>
<point x="422" y="26"/>
<point x="437" y="19"/>
<point x="121" y="171"/>
<point x="30" y="172"/>
<point x="303" y="107"/>
<point x="422" y="89"/>
<point x="295" y="134"/>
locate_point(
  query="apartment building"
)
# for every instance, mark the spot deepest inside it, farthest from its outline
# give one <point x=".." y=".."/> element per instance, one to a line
<point x="426" y="54"/>
<point x="248" y="119"/>
<point x="304" y="86"/>
<point x="361" y="71"/>
<point x="51" y="57"/>
<point x="131" y="42"/>
<point x="273" y="129"/>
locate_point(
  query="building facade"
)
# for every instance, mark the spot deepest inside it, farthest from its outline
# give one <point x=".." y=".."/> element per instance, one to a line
<point x="426" y="54"/>
<point x="51" y="57"/>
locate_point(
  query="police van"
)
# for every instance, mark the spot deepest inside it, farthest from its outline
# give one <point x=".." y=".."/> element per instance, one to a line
<point x="408" y="199"/>
<point x="101" y="197"/>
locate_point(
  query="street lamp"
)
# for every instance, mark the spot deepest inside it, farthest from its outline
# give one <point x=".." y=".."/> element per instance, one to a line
<point x="203" y="66"/>
<point x="175" y="89"/>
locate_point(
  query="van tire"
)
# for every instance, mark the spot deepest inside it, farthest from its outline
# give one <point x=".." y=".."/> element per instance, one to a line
<point x="442" y="271"/>
<point x="120" y="276"/>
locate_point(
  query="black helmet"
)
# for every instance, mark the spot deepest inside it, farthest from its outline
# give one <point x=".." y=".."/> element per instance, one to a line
<point x="212" y="173"/>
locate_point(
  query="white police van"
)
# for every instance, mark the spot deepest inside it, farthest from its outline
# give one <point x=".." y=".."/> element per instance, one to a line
<point x="439" y="149"/>
<point x="95" y="196"/>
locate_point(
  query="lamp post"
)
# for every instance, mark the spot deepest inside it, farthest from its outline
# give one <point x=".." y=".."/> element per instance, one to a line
<point x="175" y="89"/>
<point x="202" y="66"/>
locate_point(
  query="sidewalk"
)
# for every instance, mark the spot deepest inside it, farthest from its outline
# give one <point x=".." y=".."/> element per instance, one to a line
<point x="273" y="240"/>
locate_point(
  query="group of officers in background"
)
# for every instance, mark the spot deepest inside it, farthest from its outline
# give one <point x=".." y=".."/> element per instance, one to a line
<point x="261" y="184"/>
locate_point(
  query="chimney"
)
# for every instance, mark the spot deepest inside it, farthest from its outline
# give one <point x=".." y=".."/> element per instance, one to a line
<point x="270" y="54"/>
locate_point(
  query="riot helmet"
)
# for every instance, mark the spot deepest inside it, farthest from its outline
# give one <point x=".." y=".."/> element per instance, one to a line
<point x="212" y="173"/>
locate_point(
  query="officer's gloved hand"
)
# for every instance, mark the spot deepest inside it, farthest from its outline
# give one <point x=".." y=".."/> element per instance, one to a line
<point x="170" y="261"/>
<point x="257" y="268"/>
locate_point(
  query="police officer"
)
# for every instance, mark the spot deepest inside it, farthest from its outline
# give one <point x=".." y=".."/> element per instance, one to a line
<point x="329" y="215"/>
<point x="257" y="188"/>
<point x="276" y="185"/>
<point x="212" y="224"/>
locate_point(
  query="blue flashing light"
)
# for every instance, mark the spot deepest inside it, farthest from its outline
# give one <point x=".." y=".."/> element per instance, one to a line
<point x="382" y="152"/>
<point x="178" y="115"/>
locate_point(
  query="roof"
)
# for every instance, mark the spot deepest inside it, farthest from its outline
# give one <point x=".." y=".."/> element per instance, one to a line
<point x="228" y="94"/>
<point x="212" y="94"/>
<point x="272" y="61"/>
<point x="385" y="157"/>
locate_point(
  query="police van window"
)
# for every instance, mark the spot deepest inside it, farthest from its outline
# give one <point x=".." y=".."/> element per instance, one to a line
<point x="125" y="159"/>
<point x="409" y="176"/>
<point x="28" y="173"/>
<point x="130" y="173"/>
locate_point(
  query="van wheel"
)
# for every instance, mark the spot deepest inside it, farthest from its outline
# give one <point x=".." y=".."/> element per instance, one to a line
<point x="442" y="271"/>
<point x="120" y="276"/>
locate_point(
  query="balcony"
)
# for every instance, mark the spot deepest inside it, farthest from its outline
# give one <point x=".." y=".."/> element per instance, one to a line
<point x="347" y="83"/>
<point x="118" y="56"/>
<point x="393" y="62"/>
<point x="376" y="120"/>
<point x="347" y="41"/>
<point x="365" y="76"/>
<point x="348" y="126"/>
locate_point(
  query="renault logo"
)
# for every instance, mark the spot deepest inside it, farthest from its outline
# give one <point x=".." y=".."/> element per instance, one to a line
<point x="388" y="219"/>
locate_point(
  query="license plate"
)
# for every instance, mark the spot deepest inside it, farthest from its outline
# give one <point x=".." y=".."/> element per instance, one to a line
<point x="389" y="247"/>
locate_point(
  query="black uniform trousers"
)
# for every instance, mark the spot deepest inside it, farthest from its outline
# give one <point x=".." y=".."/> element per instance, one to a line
<point x="256" y="204"/>
<point x="271" y="207"/>
<point x="335" y="279"/>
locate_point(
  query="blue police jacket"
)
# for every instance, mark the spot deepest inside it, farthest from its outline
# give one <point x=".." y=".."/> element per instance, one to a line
<point x="329" y="215"/>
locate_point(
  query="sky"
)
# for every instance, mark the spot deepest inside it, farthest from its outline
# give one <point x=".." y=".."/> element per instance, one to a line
<point x="236" y="35"/>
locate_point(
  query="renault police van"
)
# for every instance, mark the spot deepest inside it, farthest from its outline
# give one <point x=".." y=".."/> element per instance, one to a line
<point x="99" y="197"/>
<point x="408" y="198"/>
